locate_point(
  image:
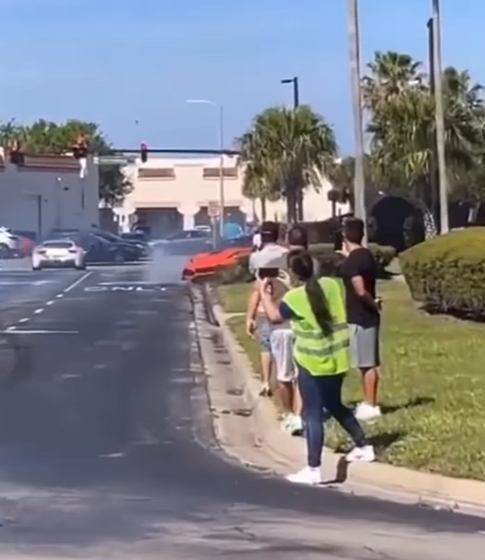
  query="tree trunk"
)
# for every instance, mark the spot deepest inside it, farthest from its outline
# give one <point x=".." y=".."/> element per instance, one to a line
<point x="299" y="204"/>
<point x="263" y="208"/>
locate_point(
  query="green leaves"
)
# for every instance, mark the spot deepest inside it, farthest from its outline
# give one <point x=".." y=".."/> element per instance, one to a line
<point x="400" y="106"/>
<point x="46" y="137"/>
<point x="285" y="151"/>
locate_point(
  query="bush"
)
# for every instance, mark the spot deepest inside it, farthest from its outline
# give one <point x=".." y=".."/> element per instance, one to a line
<point x="447" y="273"/>
<point x="324" y="253"/>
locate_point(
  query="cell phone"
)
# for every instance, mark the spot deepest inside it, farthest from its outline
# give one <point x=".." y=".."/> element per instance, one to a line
<point x="268" y="273"/>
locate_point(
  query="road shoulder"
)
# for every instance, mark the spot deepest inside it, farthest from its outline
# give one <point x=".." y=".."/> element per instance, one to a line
<point x="246" y="427"/>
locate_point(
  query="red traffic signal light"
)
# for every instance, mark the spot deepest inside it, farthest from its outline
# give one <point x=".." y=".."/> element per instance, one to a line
<point x="143" y="152"/>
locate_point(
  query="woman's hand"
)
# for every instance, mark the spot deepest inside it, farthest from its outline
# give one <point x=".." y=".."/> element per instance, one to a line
<point x="264" y="284"/>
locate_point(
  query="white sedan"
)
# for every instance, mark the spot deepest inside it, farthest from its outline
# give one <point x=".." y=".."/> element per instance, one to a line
<point x="59" y="253"/>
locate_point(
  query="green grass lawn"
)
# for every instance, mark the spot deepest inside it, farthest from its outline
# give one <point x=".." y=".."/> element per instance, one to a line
<point x="433" y="385"/>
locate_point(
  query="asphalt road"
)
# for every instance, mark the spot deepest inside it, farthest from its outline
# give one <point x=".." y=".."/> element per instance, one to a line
<point x="106" y="449"/>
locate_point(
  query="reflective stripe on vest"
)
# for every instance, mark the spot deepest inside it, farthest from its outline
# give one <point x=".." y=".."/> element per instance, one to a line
<point x="319" y="353"/>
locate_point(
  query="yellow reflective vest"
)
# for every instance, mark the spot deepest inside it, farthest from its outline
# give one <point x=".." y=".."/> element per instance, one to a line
<point x="316" y="352"/>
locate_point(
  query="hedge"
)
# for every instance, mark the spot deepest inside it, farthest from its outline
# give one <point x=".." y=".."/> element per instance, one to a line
<point x="324" y="253"/>
<point x="447" y="273"/>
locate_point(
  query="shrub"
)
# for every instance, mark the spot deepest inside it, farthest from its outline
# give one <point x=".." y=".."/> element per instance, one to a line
<point x="447" y="273"/>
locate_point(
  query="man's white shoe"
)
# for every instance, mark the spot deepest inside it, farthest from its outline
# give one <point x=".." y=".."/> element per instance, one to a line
<point x="308" y="475"/>
<point x="364" y="454"/>
<point x="365" y="411"/>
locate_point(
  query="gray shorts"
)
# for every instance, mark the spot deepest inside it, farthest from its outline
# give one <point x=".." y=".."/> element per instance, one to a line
<point x="364" y="347"/>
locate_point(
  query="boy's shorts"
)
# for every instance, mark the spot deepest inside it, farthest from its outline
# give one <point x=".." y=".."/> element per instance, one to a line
<point x="263" y="334"/>
<point x="282" y="351"/>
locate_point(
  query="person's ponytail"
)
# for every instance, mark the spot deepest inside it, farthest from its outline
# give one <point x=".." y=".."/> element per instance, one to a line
<point x="319" y="305"/>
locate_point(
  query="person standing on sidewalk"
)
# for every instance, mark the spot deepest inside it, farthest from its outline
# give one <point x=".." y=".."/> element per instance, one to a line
<point x="269" y="255"/>
<point x="359" y="273"/>
<point x="316" y="311"/>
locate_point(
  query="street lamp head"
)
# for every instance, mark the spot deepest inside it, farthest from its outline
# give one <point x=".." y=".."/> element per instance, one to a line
<point x="288" y="81"/>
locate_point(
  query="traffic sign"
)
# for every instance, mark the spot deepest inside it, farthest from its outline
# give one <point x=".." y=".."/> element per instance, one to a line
<point x="213" y="209"/>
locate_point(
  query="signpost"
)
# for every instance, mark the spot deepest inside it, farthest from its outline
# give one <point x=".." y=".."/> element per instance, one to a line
<point x="214" y="213"/>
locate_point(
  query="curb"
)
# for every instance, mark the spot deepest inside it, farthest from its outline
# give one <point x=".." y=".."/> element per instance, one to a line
<point x="378" y="480"/>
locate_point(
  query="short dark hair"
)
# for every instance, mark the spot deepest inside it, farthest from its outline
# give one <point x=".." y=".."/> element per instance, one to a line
<point x="298" y="237"/>
<point x="353" y="230"/>
<point x="270" y="232"/>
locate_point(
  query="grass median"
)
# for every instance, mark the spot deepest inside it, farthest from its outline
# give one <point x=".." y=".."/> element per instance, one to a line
<point x="433" y="385"/>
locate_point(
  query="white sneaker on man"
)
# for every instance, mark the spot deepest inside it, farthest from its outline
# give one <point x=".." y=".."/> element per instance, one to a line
<point x="364" y="454"/>
<point x="309" y="475"/>
<point x="365" y="411"/>
<point x="293" y="424"/>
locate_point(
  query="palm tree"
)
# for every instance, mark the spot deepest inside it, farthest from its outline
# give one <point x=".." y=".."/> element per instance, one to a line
<point x="403" y="125"/>
<point x="391" y="74"/>
<point x="286" y="151"/>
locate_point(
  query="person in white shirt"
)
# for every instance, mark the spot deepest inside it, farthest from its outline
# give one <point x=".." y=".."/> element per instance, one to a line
<point x="270" y="255"/>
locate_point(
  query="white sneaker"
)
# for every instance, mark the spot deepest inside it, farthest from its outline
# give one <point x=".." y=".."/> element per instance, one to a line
<point x="265" y="390"/>
<point x="364" y="454"/>
<point x="308" y="475"/>
<point x="365" y="411"/>
<point x="295" y="425"/>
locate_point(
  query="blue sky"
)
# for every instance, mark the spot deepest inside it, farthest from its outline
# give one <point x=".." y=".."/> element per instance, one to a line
<point x="121" y="61"/>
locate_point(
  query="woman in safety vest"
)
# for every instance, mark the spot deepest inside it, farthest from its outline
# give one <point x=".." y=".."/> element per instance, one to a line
<point x="316" y="311"/>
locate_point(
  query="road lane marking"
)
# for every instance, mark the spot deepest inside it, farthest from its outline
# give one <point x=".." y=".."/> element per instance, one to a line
<point x="50" y="302"/>
<point x="77" y="282"/>
<point x="60" y="296"/>
<point x="24" y="320"/>
<point x="39" y="311"/>
<point x="14" y="330"/>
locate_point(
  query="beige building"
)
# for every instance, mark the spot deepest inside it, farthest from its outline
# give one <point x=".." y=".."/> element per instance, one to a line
<point x="175" y="193"/>
<point x="47" y="192"/>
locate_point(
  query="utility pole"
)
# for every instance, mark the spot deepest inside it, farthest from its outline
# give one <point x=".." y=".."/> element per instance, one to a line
<point x="433" y="176"/>
<point x="354" y="59"/>
<point x="440" y="119"/>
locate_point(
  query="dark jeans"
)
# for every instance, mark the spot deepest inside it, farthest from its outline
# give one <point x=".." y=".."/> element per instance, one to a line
<point x="317" y="393"/>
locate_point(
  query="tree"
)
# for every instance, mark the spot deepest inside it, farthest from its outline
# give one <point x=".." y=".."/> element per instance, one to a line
<point x="400" y="104"/>
<point x="46" y="137"/>
<point x="286" y="151"/>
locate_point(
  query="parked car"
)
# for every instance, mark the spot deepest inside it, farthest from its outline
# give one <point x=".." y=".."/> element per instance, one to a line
<point x="131" y="250"/>
<point x="99" y="250"/>
<point x="186" y="242"/>
<point x="58" y="253"/>
<point x="138" y="238"/>
<point x="9" y="244"/>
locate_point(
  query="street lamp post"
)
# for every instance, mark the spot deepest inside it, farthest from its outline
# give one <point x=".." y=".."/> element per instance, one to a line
<point x="440" y="119"/>
<point x="296" y="104"/>
<point x="354" y="57"/>
<point x="220" y="109"/>
<point x="296" y="90"/>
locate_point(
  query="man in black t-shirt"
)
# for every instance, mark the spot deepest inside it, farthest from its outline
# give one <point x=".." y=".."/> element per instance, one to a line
<point x="359" y="273"/>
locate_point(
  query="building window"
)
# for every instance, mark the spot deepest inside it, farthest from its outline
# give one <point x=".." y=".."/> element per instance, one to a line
<point x="156" y="173"/>
<point x="214" y="172"/>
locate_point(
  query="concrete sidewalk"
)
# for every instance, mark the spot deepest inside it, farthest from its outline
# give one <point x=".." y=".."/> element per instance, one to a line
<point x="253" y="435"/>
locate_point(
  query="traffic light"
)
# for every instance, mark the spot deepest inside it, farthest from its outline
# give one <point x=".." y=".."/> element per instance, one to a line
<point x="80" y="148"/>
<point x="143" y="152"/>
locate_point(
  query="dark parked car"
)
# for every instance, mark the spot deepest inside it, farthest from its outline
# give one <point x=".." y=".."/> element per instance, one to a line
<point x="132" y="251"/>
<point x="100" y="250"/>
<point x="138" y="238"/>
<point x="186" y="242"/>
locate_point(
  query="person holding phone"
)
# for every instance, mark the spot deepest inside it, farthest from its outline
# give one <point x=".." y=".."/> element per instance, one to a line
<point x="257" y="324"/>
<point x="316" y="311"/>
